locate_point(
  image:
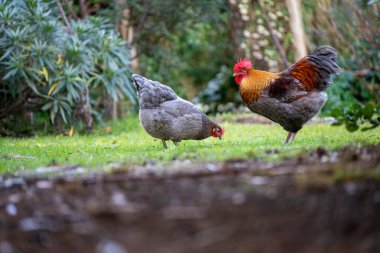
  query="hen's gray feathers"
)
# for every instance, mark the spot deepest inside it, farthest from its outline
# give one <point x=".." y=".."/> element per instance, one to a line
<point x="150" y="93"/>
<point x="166" y="116"/>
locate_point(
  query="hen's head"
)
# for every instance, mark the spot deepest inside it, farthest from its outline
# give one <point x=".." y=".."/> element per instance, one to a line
<point x="217" y="131"/>
<point x="241" y="69"/>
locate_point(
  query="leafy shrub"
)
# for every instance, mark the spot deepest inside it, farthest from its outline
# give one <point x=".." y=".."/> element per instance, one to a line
<point x="220" y="94"/>
<point x="46" y="69"/>
<point x="356" y="90"/>
<point x="357" y="115"/>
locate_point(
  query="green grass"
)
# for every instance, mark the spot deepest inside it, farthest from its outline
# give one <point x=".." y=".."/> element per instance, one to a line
<point x="128" y="143"/>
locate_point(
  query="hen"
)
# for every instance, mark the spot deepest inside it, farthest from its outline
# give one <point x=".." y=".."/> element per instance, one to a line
<point x="290" y="97"/>
<point x="166" y="116"/>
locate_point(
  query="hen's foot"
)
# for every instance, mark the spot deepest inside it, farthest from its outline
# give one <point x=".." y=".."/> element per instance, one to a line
<point x="164" y="143"/>
<point x="175" y="143"/>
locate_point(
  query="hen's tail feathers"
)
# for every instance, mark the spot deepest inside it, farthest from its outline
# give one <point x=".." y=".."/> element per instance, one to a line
<point x="152" y="93"/>
<point x="138" y="81"/>
<point x="315" y="71"/>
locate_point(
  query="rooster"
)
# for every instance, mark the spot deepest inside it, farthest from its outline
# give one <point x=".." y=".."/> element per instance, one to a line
<point x="290" y="97"/>
<point x="166" y="116"/>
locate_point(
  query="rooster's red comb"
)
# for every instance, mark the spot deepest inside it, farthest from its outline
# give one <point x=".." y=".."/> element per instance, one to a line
<point x="242" y="63"/>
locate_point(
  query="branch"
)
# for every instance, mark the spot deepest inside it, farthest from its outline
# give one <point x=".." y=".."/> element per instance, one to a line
<point x="274" y="37"/>
<point x="70" y="8"/>
<point x="64" y="16"/>
<point x="93" y="9"/>
<point x="143" y="17"/>
<point x="83" y="9"/>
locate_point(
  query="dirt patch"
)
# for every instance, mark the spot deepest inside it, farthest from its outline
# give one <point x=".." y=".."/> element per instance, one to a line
<point x="323" y="202"/>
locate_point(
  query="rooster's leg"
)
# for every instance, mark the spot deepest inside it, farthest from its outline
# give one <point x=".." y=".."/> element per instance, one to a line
<point x="292" y="137"/>
<point x="175" y="143"/>
<point x="164" y="143"/>
<point x="288" y="137"/>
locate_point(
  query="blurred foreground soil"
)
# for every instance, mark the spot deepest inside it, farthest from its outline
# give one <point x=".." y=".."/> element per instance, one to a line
<point x="322" y="202"/>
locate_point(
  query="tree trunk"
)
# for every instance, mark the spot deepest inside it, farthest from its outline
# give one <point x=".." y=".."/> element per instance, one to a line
<point x="273" y="35"/>
<point x="235" y="30"/>
<point x="296" y="26"/>
<point x="126" y="30"/>
<point x="83" y="9"/>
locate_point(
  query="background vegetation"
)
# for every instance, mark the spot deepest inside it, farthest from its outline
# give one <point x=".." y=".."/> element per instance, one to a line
<point x="67" y="63"/>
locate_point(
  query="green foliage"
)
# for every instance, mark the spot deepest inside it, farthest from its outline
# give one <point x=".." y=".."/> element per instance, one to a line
<point x="129" y="143"/>
<point x="180" y="43"/>
<point x="50" y="71"/>
<point x="357" y="40"/>
<point x="346" y="90"/>
<point x="221" y="93"/>
<point x="356" y="115"/>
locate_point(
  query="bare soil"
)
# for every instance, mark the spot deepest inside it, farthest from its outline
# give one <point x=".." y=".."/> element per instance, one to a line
<point x="322" y="202"/>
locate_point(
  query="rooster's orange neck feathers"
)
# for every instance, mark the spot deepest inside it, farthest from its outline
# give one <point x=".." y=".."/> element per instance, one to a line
<point x="254" y="84"/>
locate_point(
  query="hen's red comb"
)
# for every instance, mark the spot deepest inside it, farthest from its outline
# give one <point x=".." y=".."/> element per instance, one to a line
<point x="242" y="63"/>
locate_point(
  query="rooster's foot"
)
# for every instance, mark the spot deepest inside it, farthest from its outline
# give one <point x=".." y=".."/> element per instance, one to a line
<point x="290" y="137"/>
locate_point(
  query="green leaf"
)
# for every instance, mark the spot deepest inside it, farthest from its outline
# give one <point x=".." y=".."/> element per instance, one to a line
<point x="55" y="106"/>
<point x="337" y="113"/>
<point x="370" y="2"/>
<point x="52" y="116"/>
<point x="368" y="110"/>
<point x="9" y="74"/>
<point x="356" y="108"/>
<point x="63" y="114"/>
<point x="352" y="126"/>
<point x="47" y="106"/>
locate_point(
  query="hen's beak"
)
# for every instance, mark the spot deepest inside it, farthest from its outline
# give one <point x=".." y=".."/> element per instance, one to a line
<point x="220" y="137"/>
<point x="234" y="74"/>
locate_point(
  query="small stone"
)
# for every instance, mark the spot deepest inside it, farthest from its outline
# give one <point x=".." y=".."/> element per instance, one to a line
<point x="211" y="167"/>
<point x="119" y="199"/>
<point x="11" y="209"/>
<point x="350" y="188"/>
<point x="29" y="224"/>
<point x="14" y="198"/>
<point x="110" y="246"/>
<point x="6" y="247"/>
<point x="259" y="180"/>
<point x="44" y="184"/>
<point x="238" y="198"/>
<point x="14" y="181"/>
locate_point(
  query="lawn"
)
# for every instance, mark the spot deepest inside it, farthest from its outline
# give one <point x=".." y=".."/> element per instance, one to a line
<point x="126" y="142"/>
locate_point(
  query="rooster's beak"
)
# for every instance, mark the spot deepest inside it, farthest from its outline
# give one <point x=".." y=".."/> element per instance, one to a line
<point x="220" y="137"/>
<point x="234" y="74"/>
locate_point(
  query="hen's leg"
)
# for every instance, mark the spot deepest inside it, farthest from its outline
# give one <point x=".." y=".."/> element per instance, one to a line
<point x="175" y="143"/>
<point x="288" y="137"/>
<point x="164" y="143"/>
